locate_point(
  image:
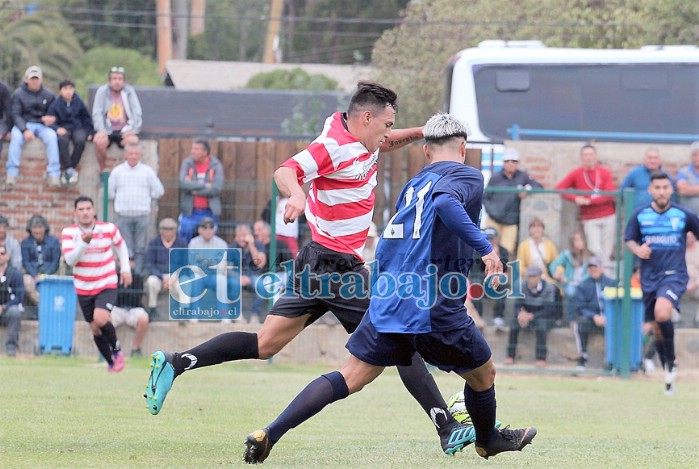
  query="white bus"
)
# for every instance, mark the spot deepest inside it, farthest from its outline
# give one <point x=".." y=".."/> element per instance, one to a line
<point x="499" y="84"/>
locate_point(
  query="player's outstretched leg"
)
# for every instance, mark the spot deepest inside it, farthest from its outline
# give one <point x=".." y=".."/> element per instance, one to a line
<point x="257" y="447"/>
<point x="506" y="440"/>
<point x="162" y="374"/>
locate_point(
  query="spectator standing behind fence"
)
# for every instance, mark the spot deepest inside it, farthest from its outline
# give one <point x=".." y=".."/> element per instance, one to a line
<point x="129" y="310"/>
<point x="201" y="183"/>
<point x="569" y="269"/>
<point x="5" y="113"/>
<point x="478" y="277"/>
<point x="11" y="297"/>
<point x="503" y="207"/>
<point x="12" y="245"/>
<point x="133" y="186"/>
<point x="30" y="103"/>
<point x="638" y="178"/>
<point x="73" y="124"/>
<point x="158" y="262"/>
<point x="41" y="254"/>
<point x="116" y="114"/>
<point x="596" y="210"/>
<point x="590" y="306"/>
<point x="253" y="263"/>
<point x="536" y="309"/>
<point x="537" y="250"/>
<point x="688" y="181"/>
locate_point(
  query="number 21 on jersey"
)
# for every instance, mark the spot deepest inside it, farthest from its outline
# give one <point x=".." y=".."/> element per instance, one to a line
<point x="414" y="206"/>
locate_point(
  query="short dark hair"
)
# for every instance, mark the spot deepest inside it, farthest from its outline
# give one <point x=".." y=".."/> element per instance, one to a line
<point x="204" y="143"/>
<point x="588" y="145"/>
<point x="65" y="83"/>
<point x="373" y="96"/>
<point x="659" y="175"/>
<point x="83" y="198"/>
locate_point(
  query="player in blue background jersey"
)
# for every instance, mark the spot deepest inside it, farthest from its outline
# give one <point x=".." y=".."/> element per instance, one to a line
<point x="431" y="238"/>
<point x="657" y="234"/>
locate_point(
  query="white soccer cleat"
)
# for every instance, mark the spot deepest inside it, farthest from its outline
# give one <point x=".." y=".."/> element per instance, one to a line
<point x="670" y="380"/>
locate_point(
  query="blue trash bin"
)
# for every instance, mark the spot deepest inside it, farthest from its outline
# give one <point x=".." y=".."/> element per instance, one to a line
<point x="613" y="328"/>
<point x="57" y="303"/>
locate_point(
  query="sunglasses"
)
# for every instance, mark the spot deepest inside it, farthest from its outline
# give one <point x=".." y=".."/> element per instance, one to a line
<point x="117" y="70"/>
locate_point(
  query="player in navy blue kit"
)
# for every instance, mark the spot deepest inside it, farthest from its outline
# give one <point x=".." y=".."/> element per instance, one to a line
<point x="657" y="234"/>
<point x="417" y="302"/>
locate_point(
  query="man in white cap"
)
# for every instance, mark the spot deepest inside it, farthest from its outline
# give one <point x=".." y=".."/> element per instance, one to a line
<point x="503" y="207"/>
<point x="30" y="103"/>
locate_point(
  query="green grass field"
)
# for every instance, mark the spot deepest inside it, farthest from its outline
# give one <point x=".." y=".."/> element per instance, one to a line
<point x="69" y="413"/>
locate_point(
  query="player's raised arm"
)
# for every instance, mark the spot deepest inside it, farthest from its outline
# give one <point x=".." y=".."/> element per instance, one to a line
<point x="401" y="137"/>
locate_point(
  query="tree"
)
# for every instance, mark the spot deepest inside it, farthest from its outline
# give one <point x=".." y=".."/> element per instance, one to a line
<point x="93" y="68"/>
<point x="40" y="38"/>
<point x="412" y="57"/>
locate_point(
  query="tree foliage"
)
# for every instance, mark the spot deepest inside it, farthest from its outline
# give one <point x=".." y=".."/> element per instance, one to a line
<point x="412" y="57"/>
<point x="40" y="38"/>
<point x="93" y="68"/>
<point x="294" y="79"/>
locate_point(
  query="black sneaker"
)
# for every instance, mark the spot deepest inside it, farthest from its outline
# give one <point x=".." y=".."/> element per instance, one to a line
<point x="507" y="440"/>
<point x="582" y="361"/>
<point x="257" y="447"/>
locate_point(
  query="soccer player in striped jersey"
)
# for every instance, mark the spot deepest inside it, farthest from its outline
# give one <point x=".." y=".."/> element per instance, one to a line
<point x="87" y="247"/>
<point x="433" y="233"/>
<point x="657" y="234"/>
<point x="340" y="165"/>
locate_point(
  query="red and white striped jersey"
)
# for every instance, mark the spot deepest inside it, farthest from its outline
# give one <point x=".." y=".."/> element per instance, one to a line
<point x="95" y="269"/>
<point x="341" y="197"/>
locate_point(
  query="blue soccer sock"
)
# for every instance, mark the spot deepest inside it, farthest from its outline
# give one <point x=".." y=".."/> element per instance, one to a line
<point x="667" y="332"/>
<point x="319" y="393"/>
<point x="481" y="406"/>
<point x="226" y="347"/>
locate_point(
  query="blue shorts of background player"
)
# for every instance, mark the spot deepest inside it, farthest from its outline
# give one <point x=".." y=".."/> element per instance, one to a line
<point x="671" y="288"/>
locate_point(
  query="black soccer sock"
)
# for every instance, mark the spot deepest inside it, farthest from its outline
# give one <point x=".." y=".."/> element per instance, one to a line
<point x="319" y="393"/>
<point x="104" y="348"/>
<point x="667" y="332"/>
<point x="109" y="333"/>
<point x="225" y="347"/>
<point x="420" y="383"/>
<point x="481" y="406"/>
<point x="660" y="348"/>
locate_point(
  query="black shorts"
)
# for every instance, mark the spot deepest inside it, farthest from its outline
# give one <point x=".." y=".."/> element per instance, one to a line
<point x="671" y="288"/>
<point x="321" y="260"/>
<point x="459" y="350"/>
<point x="104" y="300"/>
<point x="115" y="137"/>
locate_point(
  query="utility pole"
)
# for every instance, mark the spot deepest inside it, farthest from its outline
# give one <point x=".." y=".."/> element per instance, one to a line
<point x="196" y="20"/>
<point x="163" y="27"/>
<point x="181" y="16"/>
<point x="273" y="29"/>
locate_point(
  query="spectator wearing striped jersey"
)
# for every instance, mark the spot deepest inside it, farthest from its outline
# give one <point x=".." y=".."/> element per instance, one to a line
<point x="340" y="165"/>
<point x="201" y="183"/>
<point x="87" y="247"/>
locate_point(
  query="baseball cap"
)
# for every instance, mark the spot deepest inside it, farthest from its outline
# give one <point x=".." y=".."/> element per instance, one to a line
<point x="33" y="72"/>
<point x="167" y="223"/>
<point x="594" y="261"/>
<point x="206" y="221"/>
<point x="490" y="232"/>
<point x="533" y="271"/>
<point x="510" y="154"/>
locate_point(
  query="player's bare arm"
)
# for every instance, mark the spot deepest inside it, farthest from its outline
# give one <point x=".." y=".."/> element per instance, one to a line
<point x="288" y="185"/>
<point x="401" y="137"/>
<point x="641" y="250"/>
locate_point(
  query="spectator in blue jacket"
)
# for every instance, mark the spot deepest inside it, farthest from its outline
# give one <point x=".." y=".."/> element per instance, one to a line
<point x="590" y="304"/>
<point x="158" y="262"/>
<point x="73" y="124"/>
<point x="41" y="254"/>
<point x="638" y="178"/>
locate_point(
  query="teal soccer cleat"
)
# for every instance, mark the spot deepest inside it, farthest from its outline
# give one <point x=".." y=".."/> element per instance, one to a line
<point x="162" y="374"/>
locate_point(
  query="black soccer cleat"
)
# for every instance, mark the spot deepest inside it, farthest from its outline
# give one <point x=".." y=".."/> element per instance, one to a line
<point x="507" y="440"/>
<point x="257" y="447"/>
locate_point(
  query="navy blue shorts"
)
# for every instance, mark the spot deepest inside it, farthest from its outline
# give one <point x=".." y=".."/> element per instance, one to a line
<point x="671" y="288"/>
<point x="104" y="300"/>
<point x="320" y="260"/>
<point x="459" y="350"/>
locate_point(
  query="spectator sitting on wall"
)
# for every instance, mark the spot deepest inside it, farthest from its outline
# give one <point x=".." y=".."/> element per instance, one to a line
<point x="158" y="262"/>
<point x="11" y="297"/>
<point x="13" y="247"/>
<point x="129" y="310"/>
